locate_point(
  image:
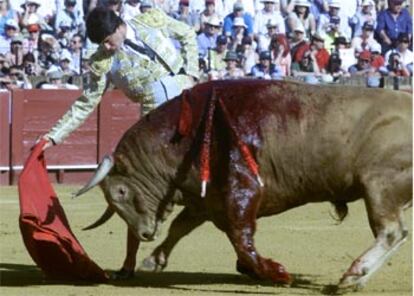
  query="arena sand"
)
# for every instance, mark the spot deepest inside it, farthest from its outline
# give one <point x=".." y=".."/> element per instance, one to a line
<point x="306" y="240"/>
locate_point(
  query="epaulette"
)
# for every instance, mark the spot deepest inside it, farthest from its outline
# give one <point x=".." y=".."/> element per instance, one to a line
<point x="154" y="18"/>
<point x="100" y="62"/>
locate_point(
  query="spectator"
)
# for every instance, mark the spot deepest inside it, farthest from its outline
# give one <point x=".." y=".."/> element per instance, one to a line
<point x="208" y="12"/>
<point x="6" y="13"/>
<point x="11" y="29"/>
<point x="306" y="65"/>
<point x="265" y="69"/>
<point x="69" y="18"/>
<point x="15" y="55"/>
<point x="319" y="52"/>
<point x="65" y="64"/>
<point x="301" y="13"/>
<point x="268" y="13"/>
<point x="76" y="53"/>
<point x="215" y="60"/>
<point x="33" y="39"/>
<point x="402" y="49"/>
<point x="130" y="9"/>
<point x="366" y="15"/>
<point x="335" y="68"/>
<point x="377" y="60"/>
<point x="365" y="40"/>
<point x="363" y="66"/>
<point x="249" y="6"/>
<point x="247" y="53"/>
<point x="30" y="14"/>
<point x="19" y="78"/>
<point x="207" y="39"/>
<point x="197" y="6"/>
<point x="238" y="32"/>
<point x="184" y="15"/>
<point x="231" y="71"/>
<point x="4" y="65"/>
<point x="30" y="65"/>
<point x="145" y="6"/>
<point x="55" y="81"/>
<point x="280" y="52"/>
<point x="340" y="22"/>
<point x="64" y="33"/>
<point x="392" y="22"/>
<point x="49" y="51"/>
<point x="264" y="40"/>
<point x="298" y="45"/>
<point x="332" y="32"/>
<point x="238" y="11"/>
<point x="395" y="67"/>
<point x="346" y="54"/>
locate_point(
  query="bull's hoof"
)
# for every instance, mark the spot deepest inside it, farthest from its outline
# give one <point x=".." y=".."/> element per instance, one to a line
<point x="122" y="275"/>
<point x="243" y="269"/>
<point x="352" y="282"/>
<point x="269" y="270"/>
<point x="151" y="264"/>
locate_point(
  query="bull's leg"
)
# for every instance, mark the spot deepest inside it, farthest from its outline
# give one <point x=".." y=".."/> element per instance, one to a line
<point x="242" y="203"/>
<point x="127" y="270"/>
<point x="183" y="224"/>
<point x="384" y="206"/>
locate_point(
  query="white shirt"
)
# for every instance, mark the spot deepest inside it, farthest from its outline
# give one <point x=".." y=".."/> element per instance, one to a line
<point x="262" y="18"/>
<point x="248" y="6"/>
<point x="198" y="6"/>
<point x="406" y="57"/>
<point x="129" y="12"/>
<point x="357" y="44"/>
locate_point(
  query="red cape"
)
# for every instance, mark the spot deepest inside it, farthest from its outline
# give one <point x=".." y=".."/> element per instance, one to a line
<point x="45" y="230"/>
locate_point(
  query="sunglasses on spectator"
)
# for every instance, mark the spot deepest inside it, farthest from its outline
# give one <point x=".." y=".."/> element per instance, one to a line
<point x="365" y="61"/>
<point x="11" y="28"/>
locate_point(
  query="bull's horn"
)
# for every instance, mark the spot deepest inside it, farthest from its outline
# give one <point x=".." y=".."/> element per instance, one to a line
<point x="105" y="217"/>
<point x="103" y="169"/>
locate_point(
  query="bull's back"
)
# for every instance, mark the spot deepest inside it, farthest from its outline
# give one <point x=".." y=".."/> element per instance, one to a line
<point x="318" y="153"/>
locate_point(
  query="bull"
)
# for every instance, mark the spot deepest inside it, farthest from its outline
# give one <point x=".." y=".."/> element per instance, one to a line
<point x="311" y="144"/>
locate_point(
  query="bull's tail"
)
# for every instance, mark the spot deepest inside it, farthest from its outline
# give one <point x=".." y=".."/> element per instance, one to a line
<point x="341" y="210"/>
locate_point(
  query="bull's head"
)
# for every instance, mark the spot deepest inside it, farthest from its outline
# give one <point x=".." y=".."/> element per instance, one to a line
<point x="124" y="198"/>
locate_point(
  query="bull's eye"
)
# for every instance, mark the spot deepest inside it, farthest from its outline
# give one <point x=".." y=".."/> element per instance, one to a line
<point x="122" y="191"/>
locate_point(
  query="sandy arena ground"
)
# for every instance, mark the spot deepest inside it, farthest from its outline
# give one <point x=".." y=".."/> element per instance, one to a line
<point x="306" y="240"/>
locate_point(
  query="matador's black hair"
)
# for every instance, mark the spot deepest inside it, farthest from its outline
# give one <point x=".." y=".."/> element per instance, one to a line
<point x="101" y="23"/>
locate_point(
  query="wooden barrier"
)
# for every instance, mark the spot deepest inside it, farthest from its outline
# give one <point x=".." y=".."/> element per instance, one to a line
<point x="5" y="121"/>
<point x="34" y="112"/>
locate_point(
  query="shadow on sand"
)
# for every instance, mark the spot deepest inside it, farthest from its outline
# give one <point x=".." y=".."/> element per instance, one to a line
<point x="20" y="275"/>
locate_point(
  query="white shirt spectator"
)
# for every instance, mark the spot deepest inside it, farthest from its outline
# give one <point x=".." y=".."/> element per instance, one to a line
<point x="198" y="6"/>
<point x="263" y="17"/>
<point x="406" y="56"/>
<point x="248" y="6"/>
<point x="63" y="17"/>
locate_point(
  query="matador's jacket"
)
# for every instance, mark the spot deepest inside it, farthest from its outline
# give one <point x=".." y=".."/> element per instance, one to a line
<point x="140" y="76"/>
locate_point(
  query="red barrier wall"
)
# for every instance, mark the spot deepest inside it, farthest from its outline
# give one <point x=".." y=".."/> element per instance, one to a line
<point x="34" y="112"/>
<point x="5" y="106"/>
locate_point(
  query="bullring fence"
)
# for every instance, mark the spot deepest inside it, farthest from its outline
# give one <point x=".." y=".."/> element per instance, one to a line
<point x="27" y="114"/>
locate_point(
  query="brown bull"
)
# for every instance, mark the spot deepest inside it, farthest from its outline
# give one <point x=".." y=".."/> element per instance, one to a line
<point x="311" y="143"/>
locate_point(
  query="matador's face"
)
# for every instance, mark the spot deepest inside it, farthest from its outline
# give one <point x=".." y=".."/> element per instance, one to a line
<point x="113" y="42"/>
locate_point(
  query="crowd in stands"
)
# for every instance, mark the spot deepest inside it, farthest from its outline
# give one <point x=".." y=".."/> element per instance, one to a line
<point x="318" y="40"/>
